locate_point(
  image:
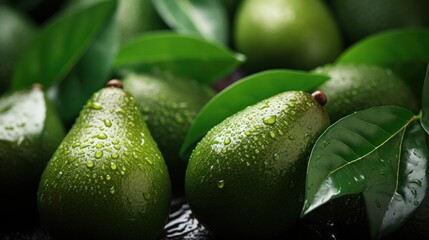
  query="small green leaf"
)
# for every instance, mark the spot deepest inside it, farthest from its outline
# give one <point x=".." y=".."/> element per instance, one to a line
<point x="205" y="18"/>
<point x="89" y="74"/>
<point x="58" y="47"/>
<point x="425" y="103"/>
<point x="246" y="92"/>
<point x="184" y="55"/>
<point x="379" y="152"/>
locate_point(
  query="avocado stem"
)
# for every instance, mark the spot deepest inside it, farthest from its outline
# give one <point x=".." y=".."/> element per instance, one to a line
<point x="37" y="86"/>
<point x="114" y="83"/>
<point x="320" y="97"/>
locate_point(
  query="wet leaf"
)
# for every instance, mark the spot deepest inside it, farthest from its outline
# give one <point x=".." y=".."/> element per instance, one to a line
<point x="389" y="48"/>
<point x="380" y="152"/>
<point x="246" y="92"/>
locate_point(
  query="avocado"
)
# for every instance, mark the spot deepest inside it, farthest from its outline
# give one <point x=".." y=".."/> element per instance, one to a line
<point x="30" y="131"/>
<point x="107" y="179"/>
<point x="246" y="177"/>
<point x="354" y="87"/>
<point x="169" y="104"/>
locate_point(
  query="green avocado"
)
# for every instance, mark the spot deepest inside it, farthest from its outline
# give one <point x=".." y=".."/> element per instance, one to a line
<point x="246" y="177"/>
<point x="169" y="105"/>
<point x="107" y="179"/>
<point x="30" y="131"/>
<point x="354" y="87"/>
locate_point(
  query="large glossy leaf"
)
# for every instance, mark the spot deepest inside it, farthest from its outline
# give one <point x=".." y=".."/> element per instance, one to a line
<point x="206" y="18"/>
<point x="380" y="152"/>
<point x="246" y="92"/>
<point x="406" y="51"/>
<point x="425" y="102"/>
<point x="55" y="51"/>
<point x="389" y="48"/>
<point x="89" y="74"/>
<point x="184" y="55"/>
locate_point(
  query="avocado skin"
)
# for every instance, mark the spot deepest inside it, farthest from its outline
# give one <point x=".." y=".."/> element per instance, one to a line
<point x="169" y="105"/>
<point x="107" y="179"/>
<point x="355" y="87"/>
<point x="30" y="131"/>
<point x="246" y="178"/>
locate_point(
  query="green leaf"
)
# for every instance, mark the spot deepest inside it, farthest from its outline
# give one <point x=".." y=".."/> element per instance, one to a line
<point x="380" y="152"/>
<point x="246" y="92"/>
<point x="389" y="48"/>
<point x="183" y="55"/>
<point x="205" y="18"/>
<point x="60" y="44"/>
<point x="89" y="74"/>
<point x="425" y="103"/>
<point x="405" y="51"/>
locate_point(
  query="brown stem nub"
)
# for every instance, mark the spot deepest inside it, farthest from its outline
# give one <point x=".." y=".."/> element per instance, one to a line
<point x="114" y="83"/>
<point x="37" y="86"/>
<point x="320" y="97"/>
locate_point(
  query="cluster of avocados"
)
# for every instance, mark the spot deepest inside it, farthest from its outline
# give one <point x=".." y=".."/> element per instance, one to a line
<point x="115" y="171"/>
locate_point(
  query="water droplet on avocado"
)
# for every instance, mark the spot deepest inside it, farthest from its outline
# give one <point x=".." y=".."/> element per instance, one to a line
<point x="148" y="161"/>
<point x="221" y="184"/>
<point x="112" y="190"/>
<point x="95" y="106"/>
<point x="179" y="118"/>
<point x="59" y="175"/>
<point x="146" y="196"/>
<point x="264" y="106"/>
<point x="90" y="164"/>
<point x="76" y="144"/>
<point x="101" y="136"/>
<point x="98" y="154"/>
<point x="121" y="111"/>
<point x="99" y="145"/>
<point x="272" y="135"/>
<point x="108" y="177"/>
<point x="107" y="123"/>
<point x="270" y="120"/>
<point x="227" y="141"/>
<point x="115" y="155"/>
<point x="276" y="156"/>
<point x="113" y="166"/>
